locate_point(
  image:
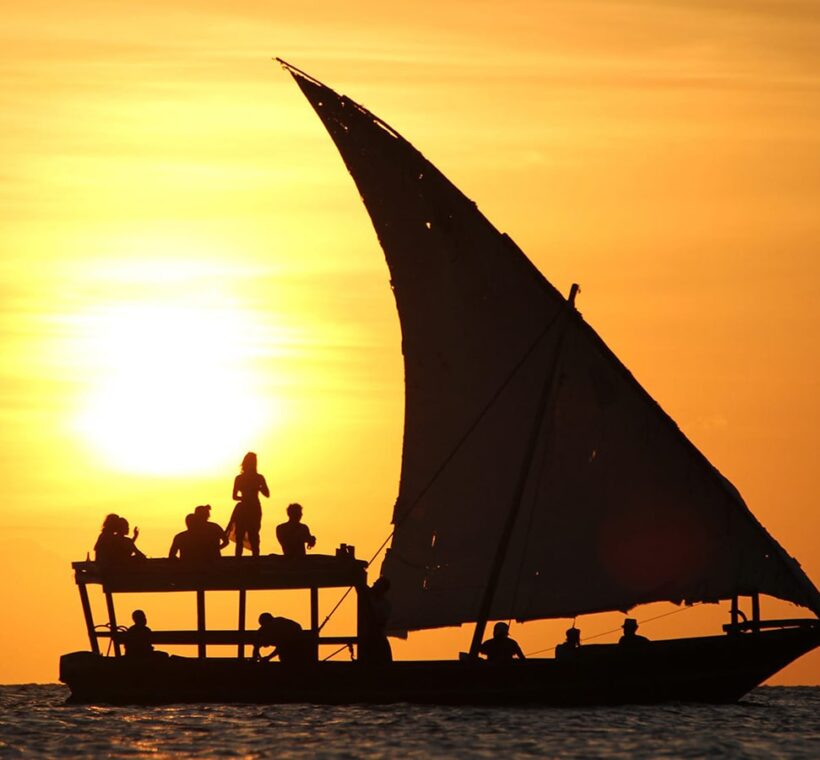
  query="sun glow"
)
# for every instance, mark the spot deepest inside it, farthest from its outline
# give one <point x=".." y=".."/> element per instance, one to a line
<point x="175" y="391"/>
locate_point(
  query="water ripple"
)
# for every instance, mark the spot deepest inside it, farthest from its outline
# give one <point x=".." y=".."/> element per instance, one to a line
<point x="774" y="722"/>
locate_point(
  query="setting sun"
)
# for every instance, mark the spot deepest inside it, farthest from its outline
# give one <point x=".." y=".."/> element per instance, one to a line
<point x="174" y="393"/>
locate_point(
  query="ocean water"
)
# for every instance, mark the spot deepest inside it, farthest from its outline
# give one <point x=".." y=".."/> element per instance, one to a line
<point x="771" y="722"/>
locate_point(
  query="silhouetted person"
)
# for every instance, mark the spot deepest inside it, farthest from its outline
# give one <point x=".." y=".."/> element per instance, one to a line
<point x="570" y="646"/>
<point x="374" y="646"/>
<point x="291" y="644"/>
<point x="114" y="549"/>
<point x="207" y="537"/>
<point x="501" y="648"/>
<point x="631" y="637"/>
<point x="183" y="545"/>
<point x="127" y="546"/>
<point x="246" y="519"/>
<point x="294" y="535"/>
<point x="106" y="550"/>
<point x="137" y="638"/>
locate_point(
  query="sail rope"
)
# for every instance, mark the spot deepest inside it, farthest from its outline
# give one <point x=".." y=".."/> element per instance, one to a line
<point x="449" y="458"/>
<point x="340" y="649"/>
<point x="615" y="630"/>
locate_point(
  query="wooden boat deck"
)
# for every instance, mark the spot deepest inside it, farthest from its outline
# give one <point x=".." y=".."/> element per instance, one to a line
<point x="241" y="574"/>
<point x="225" y="574"/>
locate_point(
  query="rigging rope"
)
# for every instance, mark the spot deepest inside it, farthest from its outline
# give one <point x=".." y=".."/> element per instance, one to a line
<point x="615" y="630"/>
<point x="340" y="649"/>
<point x="467" y="433"/>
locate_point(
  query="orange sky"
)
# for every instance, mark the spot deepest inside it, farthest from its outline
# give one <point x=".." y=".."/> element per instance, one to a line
<point x="187" y="271"/>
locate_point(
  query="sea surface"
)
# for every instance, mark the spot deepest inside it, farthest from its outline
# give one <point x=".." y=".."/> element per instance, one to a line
<point x="771" y="722"/>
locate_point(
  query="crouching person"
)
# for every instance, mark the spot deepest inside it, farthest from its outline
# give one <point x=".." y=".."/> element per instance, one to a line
<point x="291" y="644"/>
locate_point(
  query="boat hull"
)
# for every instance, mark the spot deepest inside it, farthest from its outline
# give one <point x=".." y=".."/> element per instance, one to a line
<point x="711" y="669"/>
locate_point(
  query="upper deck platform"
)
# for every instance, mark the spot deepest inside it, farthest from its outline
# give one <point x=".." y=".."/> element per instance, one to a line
<point x="226" y="574"/>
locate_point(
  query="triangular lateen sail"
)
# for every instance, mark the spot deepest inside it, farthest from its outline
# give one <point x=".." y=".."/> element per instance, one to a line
<point x="619" y="507"/>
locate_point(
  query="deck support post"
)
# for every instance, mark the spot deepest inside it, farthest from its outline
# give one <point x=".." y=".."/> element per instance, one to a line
<point x="735" y="617"/>
<point x="756" y="612"/>
<point x="112" y="622"/>
<point x="361" y="615"/>
<point x="314" y="610"/>
<point x="200" y="622"/>
<point x="314" y="616"/>
<point x="240" y="652"/>
<point x="89" y="619"/>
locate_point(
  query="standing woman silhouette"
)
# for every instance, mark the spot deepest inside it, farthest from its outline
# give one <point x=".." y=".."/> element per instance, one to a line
<point x="247" y="514"/>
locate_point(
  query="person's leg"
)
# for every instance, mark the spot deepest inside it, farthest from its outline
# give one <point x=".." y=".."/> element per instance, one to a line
<point x="253" y="537"/>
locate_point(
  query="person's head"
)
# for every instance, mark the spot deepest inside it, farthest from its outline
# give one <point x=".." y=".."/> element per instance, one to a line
<point x="630" y="625"/>
<point x="110" y="523"/>
<point x="203" y="513"/>
<point x="381" y="585"/>
<point x="122" y="527"/>
<point x="573" y="636"/>
<point x="249" y="462"/>
<point x="190" y="521"/>
<point x="265" y="619"/>
<point x="138" y="616"/>
<point x="501" y="631"/>
<point x="295" y="511"/>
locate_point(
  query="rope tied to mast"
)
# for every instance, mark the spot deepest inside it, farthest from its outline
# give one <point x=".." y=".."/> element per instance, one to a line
<point x="461" y="441"/>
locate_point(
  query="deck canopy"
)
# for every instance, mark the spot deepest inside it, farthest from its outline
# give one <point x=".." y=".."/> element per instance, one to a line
<point x="226" y="574"/>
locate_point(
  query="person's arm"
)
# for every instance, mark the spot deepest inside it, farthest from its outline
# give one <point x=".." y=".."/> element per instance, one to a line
<point x="263" y="487"/>
<point x="235" y="495"/>
<point x="518" y="653"/>
<point x="172" y="554"/>
<point x="134" y="551"/>
<point x="311" y="539"/>
<point x="223" y="539"/>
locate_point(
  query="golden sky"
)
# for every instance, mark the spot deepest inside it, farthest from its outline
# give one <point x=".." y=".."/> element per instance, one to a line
<point x="187" y="272"/>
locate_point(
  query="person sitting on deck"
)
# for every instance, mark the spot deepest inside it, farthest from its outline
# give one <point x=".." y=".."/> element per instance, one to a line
<point x="294" y="535"/>
<point x="501" y="648"/>
<point x="137" y="638"/>
<point x="183" y="544"/>
<point x="570" y="646"/>
<point x="208" y="538"/>
<point x="631" y="636"/>
<point x="374" y="647"/>
<point x="114" y="548"/>
<point x="291" y="644"/>
<point x="246" y="519"/>
<point x="128" y="548"/>
<point x="105" y="549"/>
